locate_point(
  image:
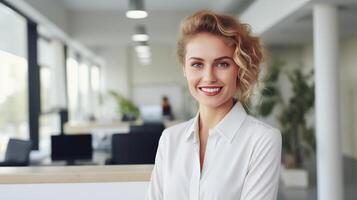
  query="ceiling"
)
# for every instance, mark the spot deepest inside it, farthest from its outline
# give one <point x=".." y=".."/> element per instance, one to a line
<point x="103" y="22"/>
<point x="154" y="5"/>
<point x="165" y="15"/>
<point x="297" y="29"/>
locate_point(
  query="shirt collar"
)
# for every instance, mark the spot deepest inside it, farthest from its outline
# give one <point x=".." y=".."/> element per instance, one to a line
<point x="227" y="127"/>
<point x="192" y="131"/>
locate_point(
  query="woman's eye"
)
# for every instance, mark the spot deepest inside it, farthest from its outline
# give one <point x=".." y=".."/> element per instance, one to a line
<point x="223" y="65"/>
<point x="198" y="65"/>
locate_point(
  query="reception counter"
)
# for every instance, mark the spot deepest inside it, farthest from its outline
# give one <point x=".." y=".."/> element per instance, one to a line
<point x="75" y="174"/>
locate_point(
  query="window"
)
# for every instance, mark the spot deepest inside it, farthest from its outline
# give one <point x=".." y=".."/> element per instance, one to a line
<point x="13" y="78"/>
<point x="52" y="82"/>
<point x="72" y="85"/>
<point x="95" y="90"/>
<point x="83" y="83"/>
<point x="84" y="91"/>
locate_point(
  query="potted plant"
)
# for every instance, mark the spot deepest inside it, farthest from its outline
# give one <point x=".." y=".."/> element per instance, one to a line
<point x="126" y="109"/>
<point x="297" y="137"/>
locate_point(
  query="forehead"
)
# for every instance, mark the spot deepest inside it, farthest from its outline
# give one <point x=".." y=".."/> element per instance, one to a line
<point x="207" y="46"/>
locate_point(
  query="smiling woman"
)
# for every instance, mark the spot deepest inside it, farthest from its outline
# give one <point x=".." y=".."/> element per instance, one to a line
<point x="210" y="70"/>
<point x="222" y="153"/>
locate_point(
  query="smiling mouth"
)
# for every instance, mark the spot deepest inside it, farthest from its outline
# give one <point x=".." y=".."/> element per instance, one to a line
<point x="210" y="91"/>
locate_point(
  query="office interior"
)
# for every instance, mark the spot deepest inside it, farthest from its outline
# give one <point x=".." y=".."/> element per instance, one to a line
<point x="68" y="66"/>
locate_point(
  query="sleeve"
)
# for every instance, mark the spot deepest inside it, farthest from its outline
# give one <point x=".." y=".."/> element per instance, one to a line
<point x="262" y="179"/>
<point x="155" y="190"/>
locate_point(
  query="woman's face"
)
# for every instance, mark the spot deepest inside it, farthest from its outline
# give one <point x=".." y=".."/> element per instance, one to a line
<point x="210" y="70"/>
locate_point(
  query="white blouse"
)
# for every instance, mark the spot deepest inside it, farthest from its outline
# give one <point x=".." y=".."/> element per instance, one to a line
<point x="242" y="161"/>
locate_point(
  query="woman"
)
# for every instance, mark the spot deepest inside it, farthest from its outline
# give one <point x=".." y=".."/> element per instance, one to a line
<point x="166" y="108"/>
<point x="222" y="153"/>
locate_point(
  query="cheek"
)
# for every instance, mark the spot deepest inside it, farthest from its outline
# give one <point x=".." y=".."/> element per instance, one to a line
<point x="191" y="81"/>
<point x="191" y="77"/>
<point x="231" y="79"/>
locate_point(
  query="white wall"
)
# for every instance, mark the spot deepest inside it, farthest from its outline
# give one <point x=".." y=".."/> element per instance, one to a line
<point x="75" y="191"/>
<point x="348" y="94"/>
<point x="115" y="73"/>
<point x="114" y="76"/>
<point x="163" y="69"/>
<point x="163" y="76"/>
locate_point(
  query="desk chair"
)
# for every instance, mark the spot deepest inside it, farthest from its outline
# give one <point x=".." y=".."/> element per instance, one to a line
<point x="134" y="148"/>
<point x="17" y="153"/>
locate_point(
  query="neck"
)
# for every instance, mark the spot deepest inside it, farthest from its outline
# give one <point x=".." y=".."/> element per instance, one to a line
<point x="210" y="116"/>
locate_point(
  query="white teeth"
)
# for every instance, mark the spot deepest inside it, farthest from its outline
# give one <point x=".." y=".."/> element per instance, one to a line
<point x="210" y="89"/>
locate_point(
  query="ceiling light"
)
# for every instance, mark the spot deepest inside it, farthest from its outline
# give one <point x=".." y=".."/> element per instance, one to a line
<point x="140" y="37"/>
<point x="140" y="34"/>
<point x="144" y="54"/>
<point x="142" y="47"/>
<point x="136" y="10"/>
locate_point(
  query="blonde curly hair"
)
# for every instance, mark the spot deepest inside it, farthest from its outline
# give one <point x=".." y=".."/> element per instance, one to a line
<point x="248" y="53"/>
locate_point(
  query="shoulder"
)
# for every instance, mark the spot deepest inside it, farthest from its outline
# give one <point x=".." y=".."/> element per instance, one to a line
<point x="261" y="131"/>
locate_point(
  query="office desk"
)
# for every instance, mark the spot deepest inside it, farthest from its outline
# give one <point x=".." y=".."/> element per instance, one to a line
<point x="75" y="174"/>
<point x="90" y="127"/>
<point x="106" y="127"/>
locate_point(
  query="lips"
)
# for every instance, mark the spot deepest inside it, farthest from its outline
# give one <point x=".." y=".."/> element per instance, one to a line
<point x="210" y="90"/>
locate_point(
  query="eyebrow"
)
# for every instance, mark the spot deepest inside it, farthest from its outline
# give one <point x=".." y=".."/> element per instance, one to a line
<point x="220" y="58"/>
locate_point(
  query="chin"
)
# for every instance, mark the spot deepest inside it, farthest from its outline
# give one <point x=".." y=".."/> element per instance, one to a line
<point x="213" y="103"/>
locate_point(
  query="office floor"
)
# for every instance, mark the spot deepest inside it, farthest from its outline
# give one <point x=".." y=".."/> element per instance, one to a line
<point x="310" y="193"/>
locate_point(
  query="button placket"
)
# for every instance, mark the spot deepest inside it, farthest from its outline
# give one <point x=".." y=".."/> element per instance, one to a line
<point x="195" y="178"/>
<point x="211" y="143"/>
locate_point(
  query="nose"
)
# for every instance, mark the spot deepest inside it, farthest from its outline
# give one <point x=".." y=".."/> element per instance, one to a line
<point x="209" y="74"/>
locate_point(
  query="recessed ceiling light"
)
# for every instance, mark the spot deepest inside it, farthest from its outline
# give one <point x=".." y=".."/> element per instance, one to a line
<point x="144" y="54"/>
<point x="136" y="10"/>
<point x="136" y="14"/>
<point x="140" y="37"/>
<point x="140" y="34"/>
<point x="142" y="48"/>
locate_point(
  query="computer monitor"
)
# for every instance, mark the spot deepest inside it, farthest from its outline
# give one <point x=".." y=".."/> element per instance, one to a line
<point x="151" y="113"/>
<point x="71" y="148"/>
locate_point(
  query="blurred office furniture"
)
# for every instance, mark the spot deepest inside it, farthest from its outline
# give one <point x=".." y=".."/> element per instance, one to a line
<point x="147" y="128"/>
<point x="72" y="148"/>
<point x="63" y="113"/>
<point x="139" y="146"/>
<point x="17" y="153"/>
